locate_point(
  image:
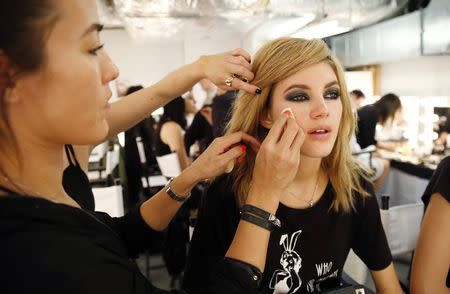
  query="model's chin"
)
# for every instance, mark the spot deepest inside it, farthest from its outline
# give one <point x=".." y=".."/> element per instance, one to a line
<point x="314" y="151"/>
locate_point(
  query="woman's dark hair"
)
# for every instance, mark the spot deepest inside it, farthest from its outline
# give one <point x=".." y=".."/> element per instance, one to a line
<point x="24" y="28"/>
<point x="358" y="93"/>
<point x="174" y="111"/>
<point x="133" y="89"/>
<point x="387" y="106"/>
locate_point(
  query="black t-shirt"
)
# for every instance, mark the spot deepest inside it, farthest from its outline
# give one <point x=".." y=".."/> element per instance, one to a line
<point x="307" y="255"/>
<point x="367" y="123"/>
<point x="439" y="183"/>
<point x="53" y="248"/>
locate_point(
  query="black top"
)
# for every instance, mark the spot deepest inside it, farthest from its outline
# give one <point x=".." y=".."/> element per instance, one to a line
<point x="54" y="248"/>
<point x="367" y="121"/>
<point x="161" y="148"/>
<point x="200" y="130"/>
<point x="76" y="182"/>
<point x="306" y="255"/>
<point x="221" y="111"/>
<point x="439" y="183"/>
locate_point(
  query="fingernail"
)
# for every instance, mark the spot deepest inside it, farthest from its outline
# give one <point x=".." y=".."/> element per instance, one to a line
<point x="288" y="112"/>
<point x="243" y="147"/>
<point x="229" y="167"/>
<point x="258" y="91"/>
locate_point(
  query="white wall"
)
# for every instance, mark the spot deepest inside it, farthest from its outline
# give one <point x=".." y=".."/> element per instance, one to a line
<point x="147" y="62"/>
<point x="424" y="76"/>
<point x="142" y="63"/>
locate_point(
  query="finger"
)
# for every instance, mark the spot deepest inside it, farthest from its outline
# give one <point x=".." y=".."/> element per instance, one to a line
<point x="241" y="52"/>
<point x="240" y="60"/>
<point x="289" y="134"/>
<point x="231" y="155"/>
<point x="276" y="130"/>
<point x="241" y="85"/>
<point x="237" y="138"/>
<point x="241" y="71"/>
<point x="298" y="141"/>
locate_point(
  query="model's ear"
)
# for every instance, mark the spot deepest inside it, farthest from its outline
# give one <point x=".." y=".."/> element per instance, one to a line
<point x="266" y="120"/>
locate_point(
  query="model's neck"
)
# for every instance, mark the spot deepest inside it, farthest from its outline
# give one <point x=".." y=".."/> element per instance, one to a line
<point x="308" y="169"/>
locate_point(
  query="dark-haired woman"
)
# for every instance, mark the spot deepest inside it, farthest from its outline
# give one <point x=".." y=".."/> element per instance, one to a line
<point x="54" y="76"/>
<point x="380" y="112"/>
<point x="171" y="128"/>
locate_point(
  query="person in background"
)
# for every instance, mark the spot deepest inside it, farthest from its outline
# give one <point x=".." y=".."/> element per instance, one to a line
<point x="222" y="106"/>
<point x="357" y="97"/>
<point x="200" y="130"/>
<point x="324" y="206"/>
<point x="431" y="263"/>
<point x="203" y="92"/>
<point x="443" y="131"/>
<point x="380" y="112"/>
<point x="169" y="135"/>
<point x="169" y="138"/>
<point x="379" y="166"/>
<point x="133" y="167"/>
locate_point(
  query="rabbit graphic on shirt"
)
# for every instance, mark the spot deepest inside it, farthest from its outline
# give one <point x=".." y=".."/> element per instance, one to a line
<point x="288" y="279"/>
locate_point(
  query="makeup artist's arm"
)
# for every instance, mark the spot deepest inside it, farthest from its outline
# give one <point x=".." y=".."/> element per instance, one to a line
<point x="131" y="109"/>
<point x="158" y="211"/>
<point x="275" y="168"/>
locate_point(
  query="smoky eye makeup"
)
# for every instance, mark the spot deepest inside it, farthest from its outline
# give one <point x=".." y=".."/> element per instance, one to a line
<point x="297" y="96"/>
<point x="332" y="94"/>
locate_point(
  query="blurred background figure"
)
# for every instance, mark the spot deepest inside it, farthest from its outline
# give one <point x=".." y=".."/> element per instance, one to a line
<point x="222" y="106"/>
<point x="171" y="127"/>
<point x="200" y="131"/>
<point x="357" y="98"/>
<point x="134" y="169"/>
<point x="377" y="166"/>
<point x="169" y="138"/>
<point x="203" y="92"/>
<point x="382" y="112"/>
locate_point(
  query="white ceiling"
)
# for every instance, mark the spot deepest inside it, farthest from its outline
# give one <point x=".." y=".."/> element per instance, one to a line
<point x="156" y="19"/>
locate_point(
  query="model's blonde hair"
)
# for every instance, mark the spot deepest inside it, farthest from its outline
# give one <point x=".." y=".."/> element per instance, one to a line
<point x="273" y="63"/>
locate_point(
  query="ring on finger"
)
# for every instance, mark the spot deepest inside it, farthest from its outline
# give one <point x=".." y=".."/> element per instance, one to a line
<point x="229" y="80"/>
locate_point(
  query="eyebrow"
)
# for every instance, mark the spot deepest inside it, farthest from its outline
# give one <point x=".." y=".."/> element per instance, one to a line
<point x="306" y="87"/>
<point x="95" y="27"/>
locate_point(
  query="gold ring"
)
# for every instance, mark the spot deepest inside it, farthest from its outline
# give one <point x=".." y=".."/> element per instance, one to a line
<point x="228" y="81"/>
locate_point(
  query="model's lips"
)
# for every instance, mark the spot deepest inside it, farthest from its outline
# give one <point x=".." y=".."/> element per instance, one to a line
<point x="320" y="130"/>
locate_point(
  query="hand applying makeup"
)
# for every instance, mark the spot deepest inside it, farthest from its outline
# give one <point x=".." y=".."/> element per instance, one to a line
<point x="277" y="161"/>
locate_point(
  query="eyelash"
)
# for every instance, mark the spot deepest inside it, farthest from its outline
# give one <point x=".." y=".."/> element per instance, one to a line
<point x="94" y="51"/>
<point x="301" y="97"/>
